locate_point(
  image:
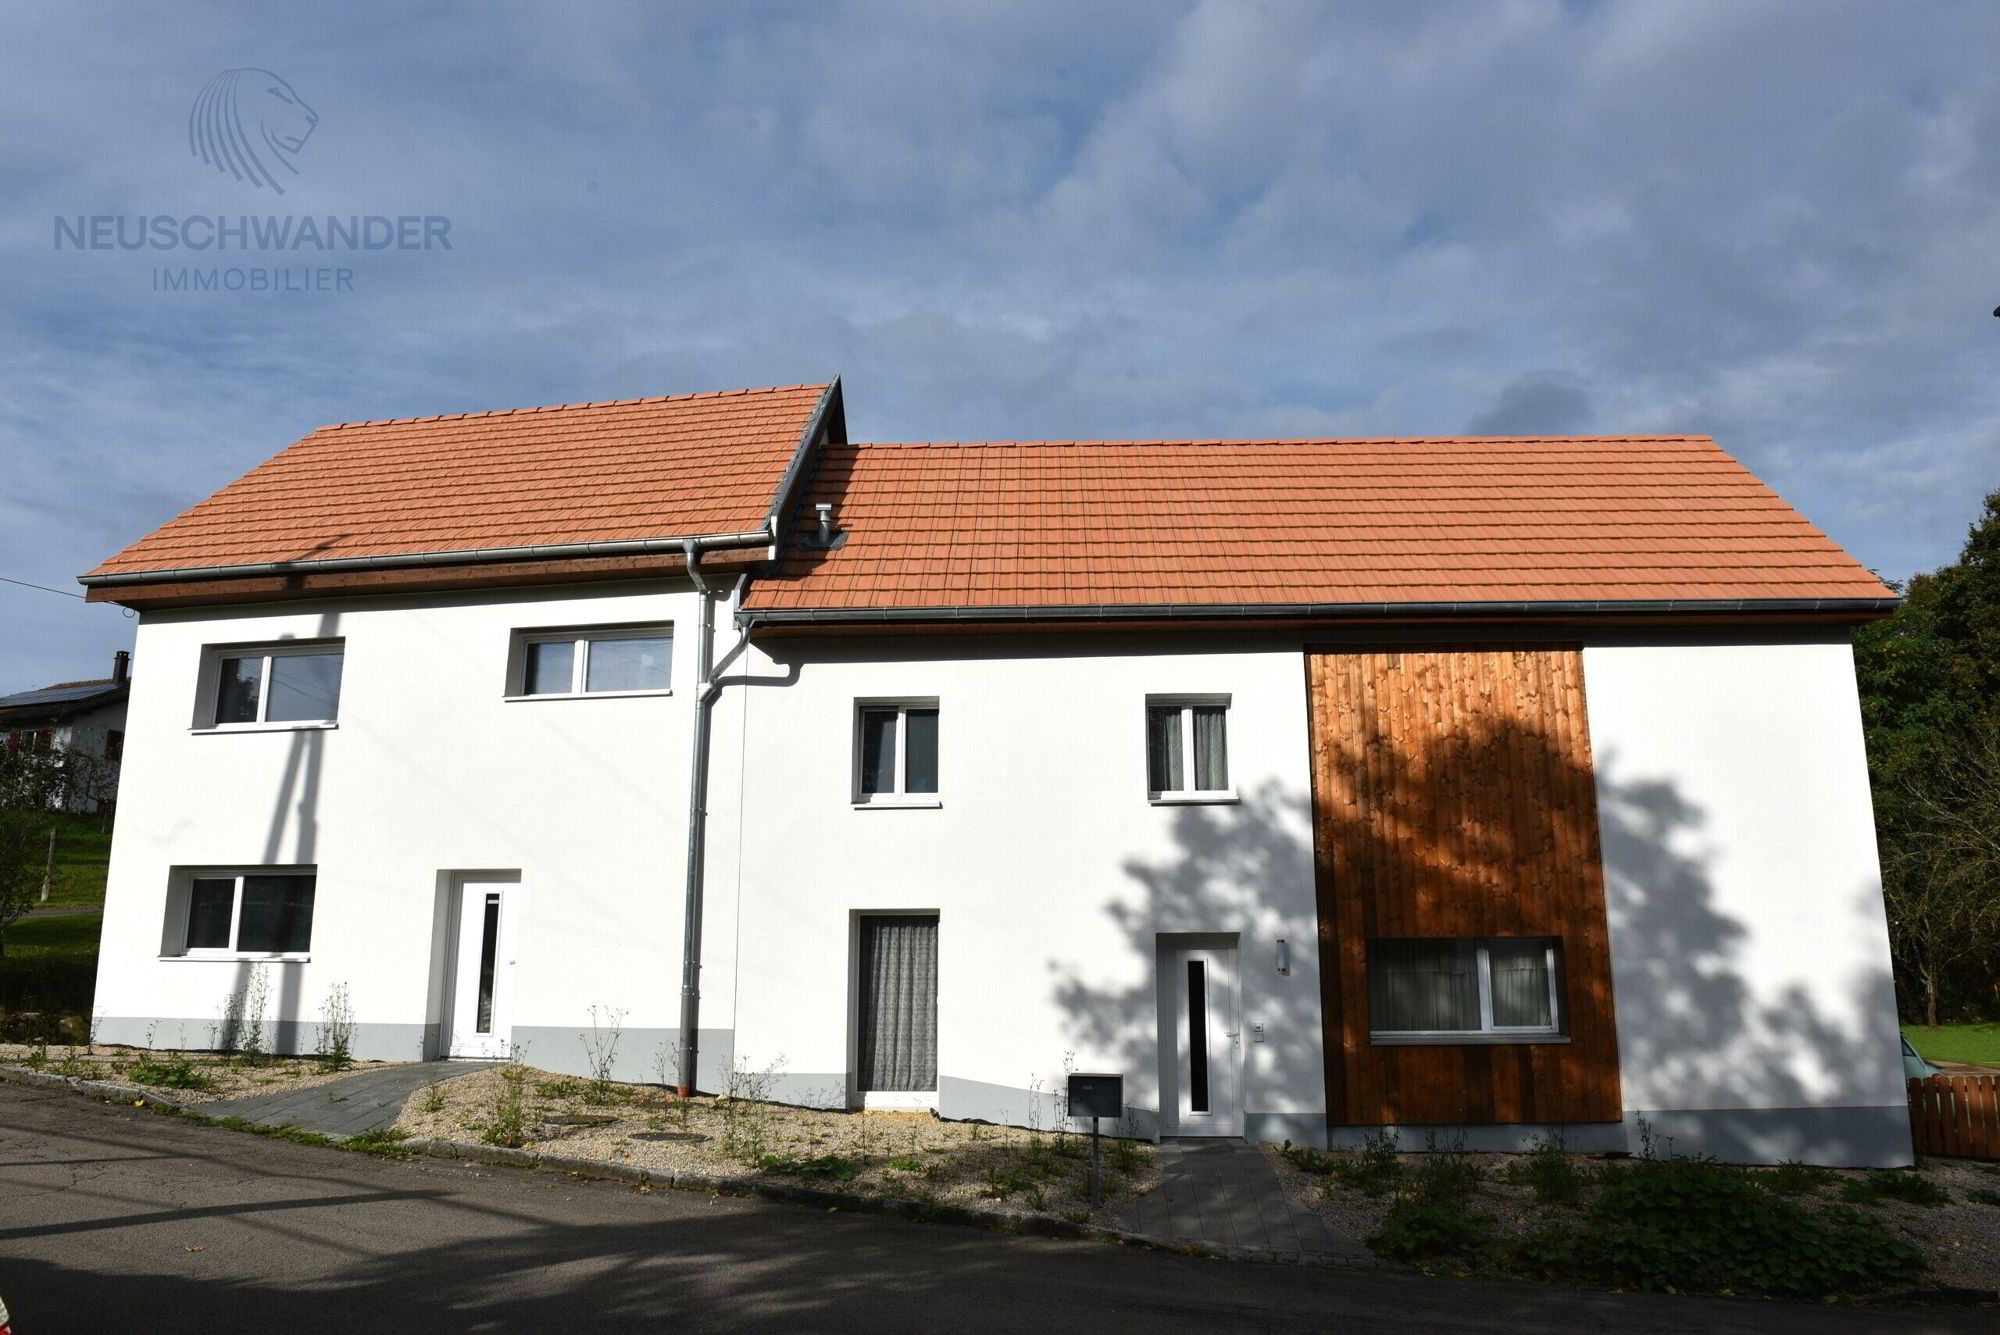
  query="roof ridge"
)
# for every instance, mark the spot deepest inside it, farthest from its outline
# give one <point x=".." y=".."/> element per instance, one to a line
<point x="1287" y="440"/>
<point x="562" y="407"/>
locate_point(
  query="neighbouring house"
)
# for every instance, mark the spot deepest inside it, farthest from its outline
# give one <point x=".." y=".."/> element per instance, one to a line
<point x="81" y="725"/>
<point x="1483" y="787"/>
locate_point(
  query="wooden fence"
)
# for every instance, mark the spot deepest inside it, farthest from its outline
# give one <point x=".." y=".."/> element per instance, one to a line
<point x="1956" y="1115"/>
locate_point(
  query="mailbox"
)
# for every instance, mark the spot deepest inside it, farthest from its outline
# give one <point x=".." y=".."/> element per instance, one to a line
<point x="1096" y="1094"/>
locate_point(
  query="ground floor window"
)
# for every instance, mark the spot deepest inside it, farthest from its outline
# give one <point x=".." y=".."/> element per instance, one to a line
<point x="896" y="1048"/>
<point x="241" y="913"/>
<point x="1464" y="986"/>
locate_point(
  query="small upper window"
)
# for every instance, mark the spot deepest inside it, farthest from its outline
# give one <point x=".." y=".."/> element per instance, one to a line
<point x="1187" y="748"/>
<point x="897" y="753"/>
<point x="1464" y="986"/>
<point x="248" y="913"/>
<point x="620" y="660"/>
<point x="287" y="683"/>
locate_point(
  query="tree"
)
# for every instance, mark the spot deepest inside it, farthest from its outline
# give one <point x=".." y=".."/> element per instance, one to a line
<point x="1942" y="875"/>
<point x="19" y="868"/>
<point x="1930" y="697"/>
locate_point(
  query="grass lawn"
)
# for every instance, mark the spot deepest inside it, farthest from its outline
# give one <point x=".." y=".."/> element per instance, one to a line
<point x="1976" y="1044"/>
<point x="50" y="965"/>
<point x="83" y="854"/>
<point x="71" y="935"/>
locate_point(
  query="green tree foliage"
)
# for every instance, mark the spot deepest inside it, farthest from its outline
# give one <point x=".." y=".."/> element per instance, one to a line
<point x="1930" y="700"/>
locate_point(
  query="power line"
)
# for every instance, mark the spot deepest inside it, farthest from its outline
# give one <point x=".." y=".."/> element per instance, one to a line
<point x="43" y="587"/>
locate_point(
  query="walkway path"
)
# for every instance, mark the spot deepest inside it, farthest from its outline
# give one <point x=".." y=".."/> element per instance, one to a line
<point x="365" y="1101"/>
<point x="1225" y="1193"/>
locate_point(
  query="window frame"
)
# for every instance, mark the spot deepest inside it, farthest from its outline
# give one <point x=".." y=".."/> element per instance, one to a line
<point x="580" y="638"/>
<point x="901" y="797"/>
<point x="208" y="703"/>
<point x="174" y="943"/>
<point x="1554" y="1032"/>
<point x="1186" y="704"/>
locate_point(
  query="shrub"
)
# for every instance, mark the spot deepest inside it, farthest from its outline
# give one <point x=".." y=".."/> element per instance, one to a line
<point x="1307" y="1159"/>
<point x="1893" y="1186"/>
<point x="1373" y="1169"/>
<point x="1426" y="1230"/>
<point x="382" y="1140"/>
<point x="1004" y="1182"/>
<point x="1123" y="1156"/>
<point x="600" y="1045"/>
<point x="1549" y="1253"/>
<point x="825" y="1167"/>
<point x="172" y="1073"/>
<point x="907" y="1163"/>
<point x="509" y="1127"/>
<point x="1548" y="1169"/>
<point x="1984" y="1196"/>
<point x="1691" y="1225"/>
<point x="1792" y="1178"/>
<point x="336" y="1029"/>
<point x="1445" y="1174"/>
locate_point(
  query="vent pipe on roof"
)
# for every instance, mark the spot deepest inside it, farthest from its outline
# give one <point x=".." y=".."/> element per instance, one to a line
<point x="121" y="668"/>
<point x="824" y="509"/>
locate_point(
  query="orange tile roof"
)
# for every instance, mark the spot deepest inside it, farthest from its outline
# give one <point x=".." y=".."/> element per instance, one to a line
<point x="681" y="466"/>
<point x="1133" y="524"/>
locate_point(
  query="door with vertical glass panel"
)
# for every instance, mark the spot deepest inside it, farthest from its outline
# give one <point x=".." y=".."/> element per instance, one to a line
<point x="480" y="1021"/>
<point x="1204" y="1017"/>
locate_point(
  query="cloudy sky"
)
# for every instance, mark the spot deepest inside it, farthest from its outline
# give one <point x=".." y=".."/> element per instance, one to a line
<point x="1775" y="223"/>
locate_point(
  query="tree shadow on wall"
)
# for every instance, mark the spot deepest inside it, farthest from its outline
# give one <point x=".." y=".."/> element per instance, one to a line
<point x="1478" y="821"/>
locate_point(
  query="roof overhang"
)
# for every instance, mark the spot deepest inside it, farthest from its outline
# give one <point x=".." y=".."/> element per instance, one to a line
<point x="903" y="619"/>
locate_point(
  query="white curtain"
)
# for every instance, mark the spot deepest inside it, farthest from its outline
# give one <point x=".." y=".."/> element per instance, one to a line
<point x="1163" y="749"/>
<point x="898" y="1038"/>
<point x="1211" y="749"/>
<point x="1423" y="985"/>
<point x="1520" y="982"/>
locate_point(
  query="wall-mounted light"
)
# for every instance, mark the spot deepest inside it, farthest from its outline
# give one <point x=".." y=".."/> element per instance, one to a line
<point x="1284" y="955"/>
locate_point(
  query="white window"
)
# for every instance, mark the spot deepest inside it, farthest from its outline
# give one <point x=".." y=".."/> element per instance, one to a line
<point x="896" y="753"/>
<point x="1187" y="748"/>
<point x="1420" y="988"/>
<point x="248" y="913"/>
<point x="296" y="684"/>
<point x="593" y="660"/>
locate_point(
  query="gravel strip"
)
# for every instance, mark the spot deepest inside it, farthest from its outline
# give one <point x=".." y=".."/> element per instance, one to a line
<point x="913" y="1157"/>
<point x="231" y="1079"/>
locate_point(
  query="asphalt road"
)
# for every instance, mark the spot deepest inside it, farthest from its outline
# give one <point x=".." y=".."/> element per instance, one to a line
<point x="117" y="1219"/>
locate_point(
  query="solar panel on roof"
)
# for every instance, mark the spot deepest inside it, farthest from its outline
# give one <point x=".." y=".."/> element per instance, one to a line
<point x="56" y="695"/>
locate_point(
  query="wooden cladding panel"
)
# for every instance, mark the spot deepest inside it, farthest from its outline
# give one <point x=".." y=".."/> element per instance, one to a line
<point x="1453" y="796"/>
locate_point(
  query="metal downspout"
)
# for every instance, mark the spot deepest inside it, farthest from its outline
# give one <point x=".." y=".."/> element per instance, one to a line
<point x="705" y="693"/>
<point x="707" y="688"/>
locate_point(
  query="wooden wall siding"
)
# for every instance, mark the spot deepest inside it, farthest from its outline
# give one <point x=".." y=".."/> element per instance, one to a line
<point x="1453" y="796"/>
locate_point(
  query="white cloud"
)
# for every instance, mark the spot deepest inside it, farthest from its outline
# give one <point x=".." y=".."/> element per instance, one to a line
<point x="1763" y="221"/>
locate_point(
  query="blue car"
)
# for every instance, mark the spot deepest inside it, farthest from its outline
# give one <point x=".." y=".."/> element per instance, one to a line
<point x="1914" y="1066"/>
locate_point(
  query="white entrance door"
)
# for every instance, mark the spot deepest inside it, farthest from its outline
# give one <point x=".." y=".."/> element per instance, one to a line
<point x="1198" y="986"/>
<point x="480" y="1018"/>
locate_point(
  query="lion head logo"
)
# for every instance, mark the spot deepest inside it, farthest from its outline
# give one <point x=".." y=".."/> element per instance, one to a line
<point x="246" y="121"/>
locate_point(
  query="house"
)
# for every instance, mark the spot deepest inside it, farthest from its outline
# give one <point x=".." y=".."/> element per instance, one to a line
<point x="1478" y="788"/>
<point x="83" y="723"/>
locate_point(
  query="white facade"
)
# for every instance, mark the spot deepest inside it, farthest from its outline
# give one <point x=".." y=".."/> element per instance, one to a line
<point x="430" y="771"/>
<point x="1750" y="954"/>
<point x="1750" y="949"/>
